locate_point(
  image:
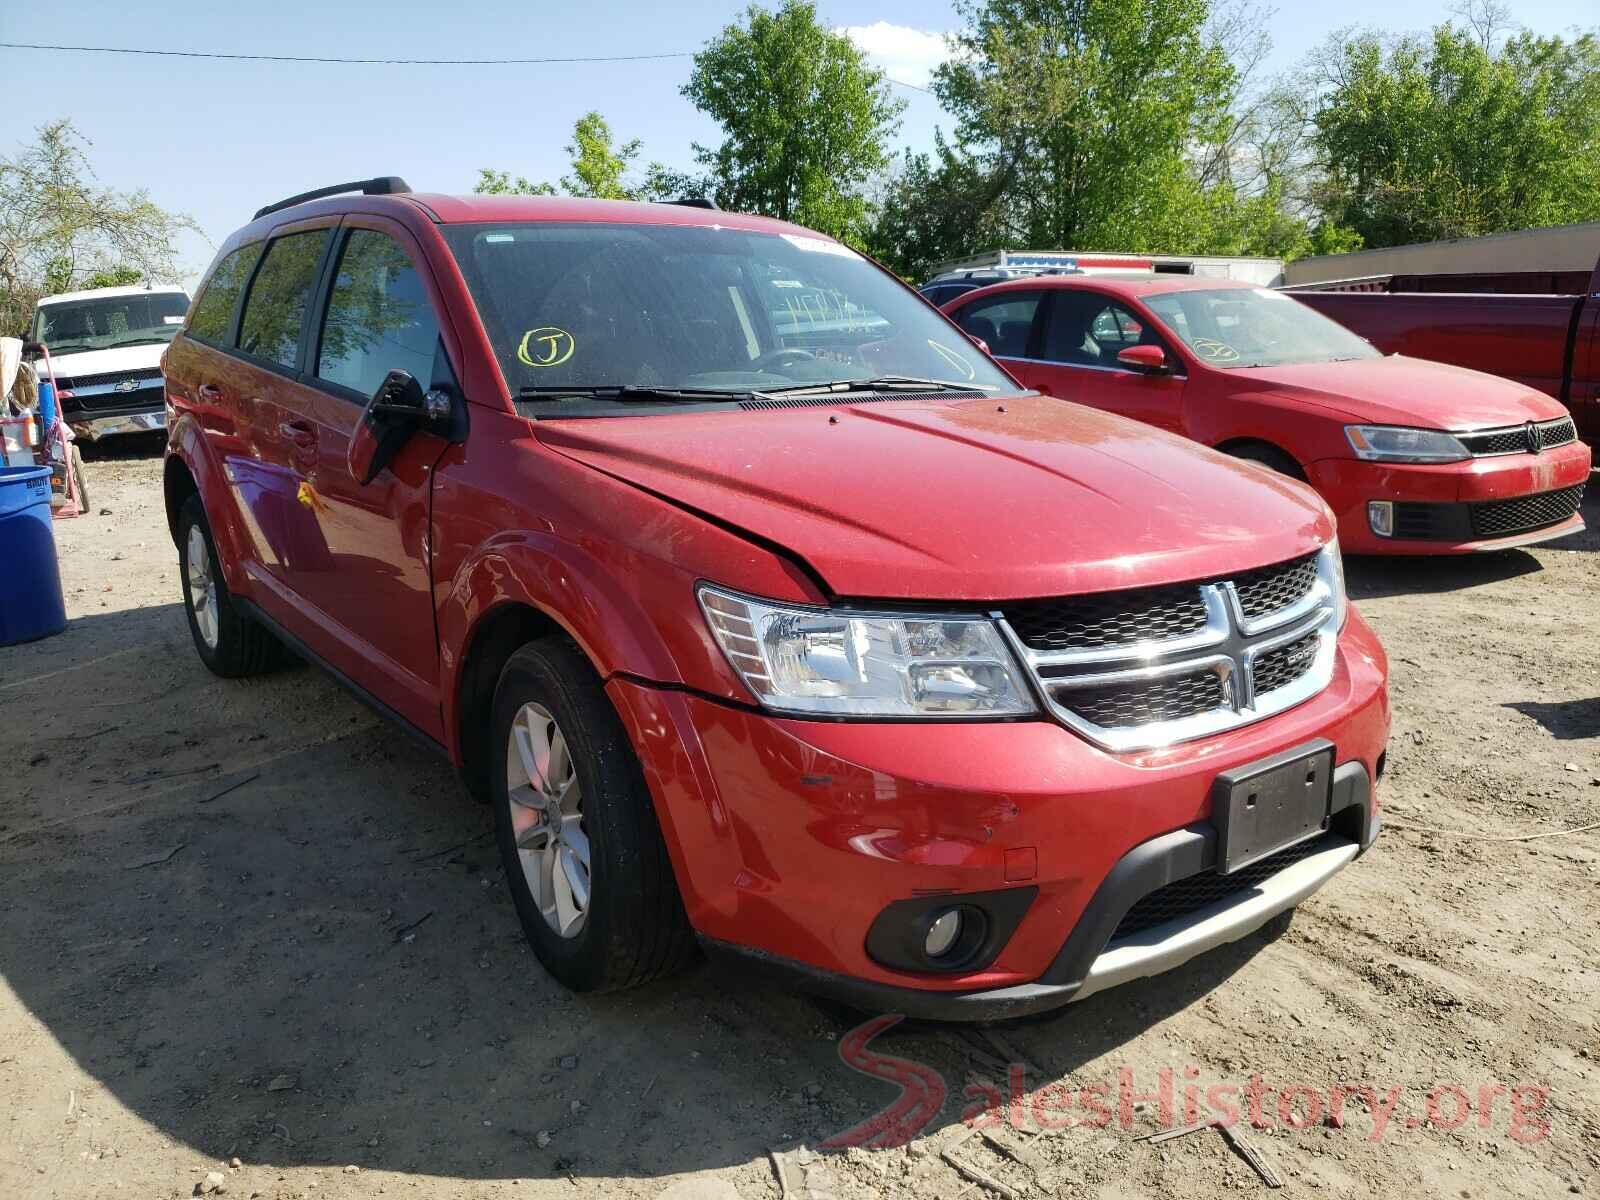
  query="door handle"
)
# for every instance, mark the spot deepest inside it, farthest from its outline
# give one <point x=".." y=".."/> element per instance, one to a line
<point x="210" y="393"/>
<point x="298" y="432"/>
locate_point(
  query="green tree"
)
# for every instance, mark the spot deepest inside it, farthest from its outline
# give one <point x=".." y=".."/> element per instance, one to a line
<point x="59" y="230"/>
<point x="805" y="120"/>
<point x="1083" y="115"/>
<point x="1453" y="136"/>
<point x="600" y="170"/>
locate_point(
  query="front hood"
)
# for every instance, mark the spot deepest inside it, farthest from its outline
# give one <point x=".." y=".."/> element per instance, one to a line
<point x="962" y="499"/>
<point x="104" y="362"/>
<point x="1409" y="391"/>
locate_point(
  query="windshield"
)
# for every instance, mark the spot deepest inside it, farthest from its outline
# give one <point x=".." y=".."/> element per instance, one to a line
<point x="666" y="306"/>
<point x="142" y="319"/>
<point x="1254" y="327"/>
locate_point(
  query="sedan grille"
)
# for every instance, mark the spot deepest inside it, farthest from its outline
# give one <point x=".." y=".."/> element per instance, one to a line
<point x="1498" y="518"/>
<point x="1520" y="439"/>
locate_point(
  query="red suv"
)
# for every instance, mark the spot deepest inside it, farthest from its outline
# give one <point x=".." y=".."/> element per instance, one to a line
<point x="1414" y="457"/>
<point x="761" y="606"/>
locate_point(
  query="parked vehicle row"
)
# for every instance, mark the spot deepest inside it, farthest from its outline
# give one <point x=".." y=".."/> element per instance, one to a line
<point x="1541" y="329"/>
<point x="766" y="610"/>
<point x="1413" y="457"/>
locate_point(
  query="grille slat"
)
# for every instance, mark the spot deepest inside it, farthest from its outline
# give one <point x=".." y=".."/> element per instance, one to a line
<point x="1277" y="668"/>
<point x="1498" y="518"/>
<point x="1167" y="699"/>
<point x="1184" y="896"/>
<point x="1110" y="619"/>
<point x="68" y="383"/>
<point x="1271" y="588"/>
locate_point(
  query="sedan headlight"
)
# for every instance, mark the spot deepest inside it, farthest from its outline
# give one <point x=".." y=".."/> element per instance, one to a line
<point x="844" y="663"/>
<point x="1398" y="444"/>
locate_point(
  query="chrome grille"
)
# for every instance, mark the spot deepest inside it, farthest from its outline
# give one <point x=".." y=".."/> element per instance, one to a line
<point x="1150" y="667"/>
<point x="1530" y="438"/>
<point x="110" y="377"/>
<point x="1497" y="518"/>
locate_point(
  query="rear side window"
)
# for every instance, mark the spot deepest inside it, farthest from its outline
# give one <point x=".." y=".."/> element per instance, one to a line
<point x="1003" y="322"/>
<point x="213" y="308"/>
<point x="275" y="311"/>
<point x="379" y="318"/>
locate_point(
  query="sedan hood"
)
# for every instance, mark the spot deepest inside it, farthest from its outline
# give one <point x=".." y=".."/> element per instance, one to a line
<point x="968" y="500"/>
<point x="1409" y="391"/>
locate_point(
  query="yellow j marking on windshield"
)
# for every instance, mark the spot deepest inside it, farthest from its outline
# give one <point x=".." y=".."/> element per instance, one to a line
<point x="546" y="346"/>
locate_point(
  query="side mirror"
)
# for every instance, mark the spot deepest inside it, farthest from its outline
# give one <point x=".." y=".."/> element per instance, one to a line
<point x="1152" y="360"/>
<point x="398" y="409"/>
<point x="981" y="344"/>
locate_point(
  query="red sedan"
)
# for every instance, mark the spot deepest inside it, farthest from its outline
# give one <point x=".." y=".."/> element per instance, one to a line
<point x="1414" y="457"/>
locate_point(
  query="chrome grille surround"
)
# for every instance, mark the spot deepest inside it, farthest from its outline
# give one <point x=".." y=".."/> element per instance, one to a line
<point x="1229" y="646"/>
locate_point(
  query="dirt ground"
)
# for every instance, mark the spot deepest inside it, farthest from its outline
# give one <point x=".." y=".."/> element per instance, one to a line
<point x="247" y="922"/>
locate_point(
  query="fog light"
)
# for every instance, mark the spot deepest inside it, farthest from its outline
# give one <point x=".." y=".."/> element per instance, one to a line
<point x="942" y="934"/>
<point x="1380" y="515"/>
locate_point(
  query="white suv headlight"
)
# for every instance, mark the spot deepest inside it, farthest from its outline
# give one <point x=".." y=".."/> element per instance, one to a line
<point x="843" y="663"/>
<point x="1398" y="444"/>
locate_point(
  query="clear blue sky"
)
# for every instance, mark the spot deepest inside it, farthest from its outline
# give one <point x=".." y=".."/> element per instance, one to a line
<point x="219" y="139"/>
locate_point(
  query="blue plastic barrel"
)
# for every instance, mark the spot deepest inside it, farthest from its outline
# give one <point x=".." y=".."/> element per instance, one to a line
<point x="30" y="580"/>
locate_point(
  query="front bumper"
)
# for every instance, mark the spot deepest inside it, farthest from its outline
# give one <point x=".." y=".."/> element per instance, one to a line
<point x="1456" y="508"/>
<point x="789" y="837"/>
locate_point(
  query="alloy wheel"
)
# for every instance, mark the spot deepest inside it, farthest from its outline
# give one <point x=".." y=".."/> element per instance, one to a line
<point x="547" y="819"/>
<point x="202" y="586"/>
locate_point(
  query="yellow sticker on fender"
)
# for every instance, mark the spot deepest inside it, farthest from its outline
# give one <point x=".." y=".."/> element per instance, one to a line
<point x="546" y="346"/>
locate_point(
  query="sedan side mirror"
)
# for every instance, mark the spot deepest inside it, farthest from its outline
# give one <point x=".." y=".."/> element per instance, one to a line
<point x="1152" y="360"/>
<point x="398" y="409"/>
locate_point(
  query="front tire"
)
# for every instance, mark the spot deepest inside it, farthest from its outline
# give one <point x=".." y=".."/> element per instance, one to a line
<point x="583" y="853"/>
<point x="229" y="643"/>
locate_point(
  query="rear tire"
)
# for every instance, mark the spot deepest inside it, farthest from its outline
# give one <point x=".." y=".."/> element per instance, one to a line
<point x="583" y="852"/>
<point x="1272" y="458"/>
<point x="229" y="643"/>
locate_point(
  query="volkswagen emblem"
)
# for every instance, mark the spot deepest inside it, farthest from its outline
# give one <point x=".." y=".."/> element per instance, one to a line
<point x="127" y="385"/>
<point x="1530" y="432"/>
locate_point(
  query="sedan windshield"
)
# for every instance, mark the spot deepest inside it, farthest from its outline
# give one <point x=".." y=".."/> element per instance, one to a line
<point x="597" y="306"/>
<point x="144" y="318"/>
<point x="1254" y="327"/>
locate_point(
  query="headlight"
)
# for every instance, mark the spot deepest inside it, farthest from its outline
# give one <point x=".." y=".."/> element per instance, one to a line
<point x="1396" y="443"/>
<point x="840" y="663"/>
<point x="1330" y="565"/>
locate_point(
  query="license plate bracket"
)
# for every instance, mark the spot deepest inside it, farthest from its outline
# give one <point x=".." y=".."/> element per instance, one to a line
<point x="1263" y="807"/>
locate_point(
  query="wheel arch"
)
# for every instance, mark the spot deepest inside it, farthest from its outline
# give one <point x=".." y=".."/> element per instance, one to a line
<point x="177" y="485"/>
<point x="492" y="639"/>
<point x="1238" y="445"/>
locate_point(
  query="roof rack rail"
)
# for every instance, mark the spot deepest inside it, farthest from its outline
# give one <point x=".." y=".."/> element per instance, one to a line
<point x="381" y="185"/>
<point x="696" y="202"/>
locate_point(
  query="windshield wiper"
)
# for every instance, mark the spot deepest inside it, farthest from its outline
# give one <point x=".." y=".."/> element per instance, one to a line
<point x="138" y="341"/>
<point x="878" y="383"/>
<point x="632" y="393"/>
